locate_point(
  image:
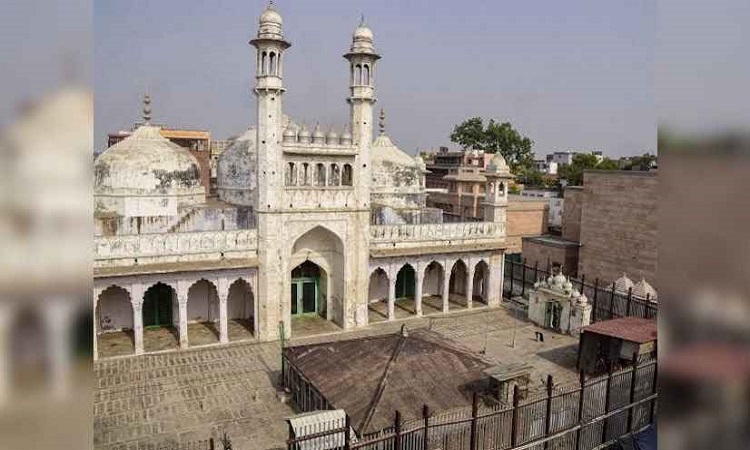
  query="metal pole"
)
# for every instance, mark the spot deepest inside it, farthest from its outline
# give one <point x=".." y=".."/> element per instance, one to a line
<point x="426" y="432"/>
<point x="632" y="391"/>
<point x="397" y="426"/>
<point x="548" y="415"/>
<point x="630" y="299"/>
<point x="596" y="294"/>
<point x="523" y="278"/>
<point x="581" y="398"/>
<point x="514" y="419"/>
<point x="474" y="414"/>
<point x="606" y="405"/>
<point x="612" y="301"/>
<point x="347" y="432"/>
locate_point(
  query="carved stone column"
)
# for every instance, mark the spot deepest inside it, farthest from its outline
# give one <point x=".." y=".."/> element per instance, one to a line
<point x="182" y="300"/>
<point x="223" y="291"/>
<point x="418" y="290"/>
<point x="391" y="297"/>
<point x="136" y="300"/>
<point x="446" y="288"/>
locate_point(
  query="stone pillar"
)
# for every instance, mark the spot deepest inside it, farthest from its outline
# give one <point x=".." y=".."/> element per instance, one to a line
<point x="470" y="285"/>
<point x="182" y="300"/>
<point x="223" y="291"/>
<point x="419" y="280"/>
<point x="136" y="300"/>
<point x="57" y="317"/>
<point x="496" y="279"/>
<point x="446" y="288"/>
<point x="391" y="297"/>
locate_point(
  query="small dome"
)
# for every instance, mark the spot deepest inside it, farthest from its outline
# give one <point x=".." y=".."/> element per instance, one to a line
<point x="559" y="280"/>
<point x="318" y="137"/>
<point x="568" y="285"/>
<point x="332" y="138"/>
<point x="304" y="135"/>
<point x="346" y="137"/>
<point x="643" y="289"/>
<point x="270" y="16"/>
<point x="623" y="284"/>
<point x="363" y="32"/>
<point x="575" y="294"/>
<point x="498" y="164"/>
<point x="289" y="133"/>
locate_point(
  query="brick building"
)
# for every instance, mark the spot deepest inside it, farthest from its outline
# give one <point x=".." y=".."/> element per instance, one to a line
<point x="608" y="228"/>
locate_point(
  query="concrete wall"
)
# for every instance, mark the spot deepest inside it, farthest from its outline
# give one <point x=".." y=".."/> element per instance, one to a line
<point x="538" y="253"/>
<point x="619" y="231"/>
<point x="571" y="215"/>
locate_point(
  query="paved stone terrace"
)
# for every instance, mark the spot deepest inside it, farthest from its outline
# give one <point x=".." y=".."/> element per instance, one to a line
<point x="150" y="400"/>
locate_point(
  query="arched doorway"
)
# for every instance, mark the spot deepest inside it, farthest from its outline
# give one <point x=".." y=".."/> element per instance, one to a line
<point x="377" y="296"/>
<point x="405" y="290"/>
<point x="203" y="313"/>
<point x="306" y="289"/>
<point x="317" y="282"/>
<point x="160" y="313"/>
<point x="432" y="288"/>
<point x="481" y="282"/>
<point x="113" y="320"/>
<point x="240" y="311"/>
<point x="457" y="284"/>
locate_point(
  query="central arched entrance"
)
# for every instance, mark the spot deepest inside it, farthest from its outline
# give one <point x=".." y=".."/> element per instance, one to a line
<point x="306" y="289"/>
<point x="317" y="282"/>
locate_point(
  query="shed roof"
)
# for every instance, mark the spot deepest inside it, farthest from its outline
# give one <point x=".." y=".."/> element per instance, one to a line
<point x="372" y="377"/>
<point x="633" y="329"/>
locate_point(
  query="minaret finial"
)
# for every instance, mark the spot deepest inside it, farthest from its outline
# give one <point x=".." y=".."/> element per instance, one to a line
<point x="382" y="121"/>
<point x="147" y="109"/>
<point x="361" y="20"/>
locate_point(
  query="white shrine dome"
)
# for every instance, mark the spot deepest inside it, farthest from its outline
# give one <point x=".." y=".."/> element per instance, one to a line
<point x="145" y="163"/>
<point x="623" y="284"/>
<point x="237" y="170"/>
<point x="643" y="289"/>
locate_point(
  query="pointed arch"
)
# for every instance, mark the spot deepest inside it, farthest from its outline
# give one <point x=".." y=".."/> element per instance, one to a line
<point x="366" y="75"/>
<point x="272" y="63"/>
<point x="405" y="282"/>
<point x="457" y="283"/>
<point x="347" y="175"/>
<point x="481" y="282"/>
<point x="432" y="285"/>
<point x="241" y="310"/>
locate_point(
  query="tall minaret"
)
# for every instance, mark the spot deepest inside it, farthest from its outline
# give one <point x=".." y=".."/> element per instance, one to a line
<point x="269" y="89"/>
<point x="362" y="58"/>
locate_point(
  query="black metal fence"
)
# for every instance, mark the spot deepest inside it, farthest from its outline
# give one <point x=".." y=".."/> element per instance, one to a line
<point x="591" y="415"/>
<point x="607" y="304"/>
<point x="207" y="444"/>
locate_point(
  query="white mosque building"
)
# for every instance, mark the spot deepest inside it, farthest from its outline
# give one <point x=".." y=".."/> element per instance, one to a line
<point x="328" y="229"/>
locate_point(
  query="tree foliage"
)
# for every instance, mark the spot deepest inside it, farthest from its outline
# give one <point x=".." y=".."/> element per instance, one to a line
<point x="495" y="138"/>
<point x="573" y="172"/>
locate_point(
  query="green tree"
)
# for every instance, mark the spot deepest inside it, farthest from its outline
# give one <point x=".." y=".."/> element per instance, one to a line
<point x="573" y="172"/>
<point x="495" y="138"/>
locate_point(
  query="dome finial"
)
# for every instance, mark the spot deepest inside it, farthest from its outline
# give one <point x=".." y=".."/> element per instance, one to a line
<point x="382" y="121"/>
<point x="361" y="20"/>
<point x="147" y="109"/>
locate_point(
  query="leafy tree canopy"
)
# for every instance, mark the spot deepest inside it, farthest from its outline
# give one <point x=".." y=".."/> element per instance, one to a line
<point x="495" y="138"/>
<point x="573" y="172"/>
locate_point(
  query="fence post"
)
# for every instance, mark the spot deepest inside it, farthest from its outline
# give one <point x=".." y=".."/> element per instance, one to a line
<point x="632" y="392"/>
<point x="474" y="414"/>
<point x="579" y="431"/>
<point x="548" y="415"/>
<point x="630" y="299"/>
<point x="583" y="281"/>
<point x="512" y="272"/>
<point x="606" y="405"/>
<point x="612" y="301"/>
<point x="523" y="278"/>
<point x="211" y="444"/>
<point x="596" y="294"/>
<point x="347" y="432"/>
<point x="653" y="401"/>
<point x="514" y="418"/>
<point x="397" y="426"/>
<point x="536" y="271"/>
<point x="426" y="417"/>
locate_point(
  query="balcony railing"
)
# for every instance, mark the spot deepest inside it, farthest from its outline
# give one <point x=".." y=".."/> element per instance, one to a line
<point x="163" y="245"/>
<point x="437" y="232"/>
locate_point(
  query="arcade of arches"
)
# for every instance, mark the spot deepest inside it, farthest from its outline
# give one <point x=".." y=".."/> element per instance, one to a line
<point x="402" y="289"/>
<point x="137" y="318"/>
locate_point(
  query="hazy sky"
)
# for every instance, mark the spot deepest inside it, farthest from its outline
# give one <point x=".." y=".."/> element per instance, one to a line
<point x="571" y="74"/>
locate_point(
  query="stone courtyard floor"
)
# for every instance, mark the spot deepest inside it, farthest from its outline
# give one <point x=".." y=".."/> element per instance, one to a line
<point x="152" y="400"/>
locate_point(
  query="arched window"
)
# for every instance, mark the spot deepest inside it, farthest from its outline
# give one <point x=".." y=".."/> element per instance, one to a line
<point x="346" y="175"/>
<point x="366" y="75"/>
<point x="272" y="63"/>
<point x="358" y="74"/>
<point x="291" y="174"/>
<point x="320" y="175"/>
<point x="264" y="64"/>
<point x="305" y="174"/>
<point x="335" y="175"/>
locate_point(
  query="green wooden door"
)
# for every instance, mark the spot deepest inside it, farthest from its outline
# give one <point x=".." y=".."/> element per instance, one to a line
<point x="157" y="306"/>
<point x="305" y="295"/>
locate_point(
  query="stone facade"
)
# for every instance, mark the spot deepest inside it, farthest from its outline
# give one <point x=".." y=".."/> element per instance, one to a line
<point x="619" y="230"/>
<point x="552" y="250"/>
<point x="571" y="215"/>
<point x="307" y="224"/>
<point x="526" y="217"/>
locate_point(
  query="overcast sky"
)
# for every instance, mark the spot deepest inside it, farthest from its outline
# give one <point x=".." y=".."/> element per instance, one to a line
<point x="570" y="75"/>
